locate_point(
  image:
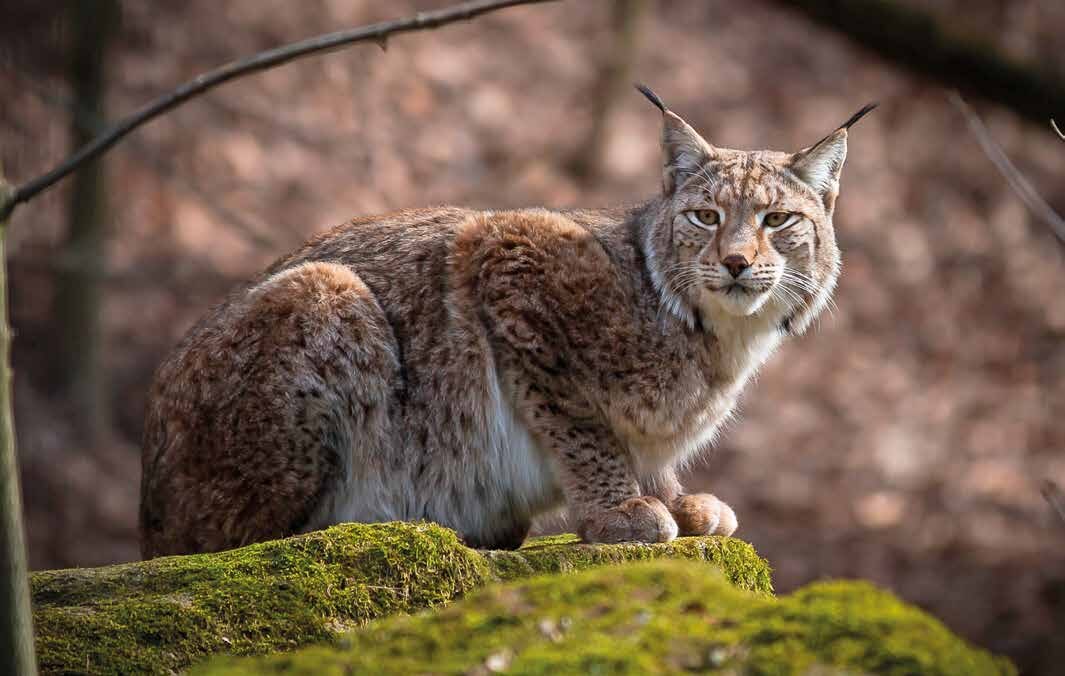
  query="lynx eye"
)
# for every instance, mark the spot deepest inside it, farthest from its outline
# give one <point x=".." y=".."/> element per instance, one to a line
<point x="704" y="218"/>
<point x="776" y="219"/>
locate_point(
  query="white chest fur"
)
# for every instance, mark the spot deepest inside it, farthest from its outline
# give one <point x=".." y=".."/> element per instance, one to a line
<point x="691" y="412"/>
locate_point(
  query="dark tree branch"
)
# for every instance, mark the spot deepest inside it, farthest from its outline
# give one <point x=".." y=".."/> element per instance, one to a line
<point x="1016" y="180"/>
<point x="1055" y="496"/>
<point x="915" y="39"/>
<point x="378" y="32"/>
<point x="92" y="124"/>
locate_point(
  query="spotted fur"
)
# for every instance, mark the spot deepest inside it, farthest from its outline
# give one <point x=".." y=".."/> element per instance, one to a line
<point x="478" y="368"/>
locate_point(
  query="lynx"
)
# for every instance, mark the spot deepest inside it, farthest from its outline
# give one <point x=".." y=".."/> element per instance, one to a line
<point x="477" y="368"/>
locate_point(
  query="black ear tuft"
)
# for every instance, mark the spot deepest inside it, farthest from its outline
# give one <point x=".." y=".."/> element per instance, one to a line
<point x="651" y="96"/>
<point x="859" y="115"/>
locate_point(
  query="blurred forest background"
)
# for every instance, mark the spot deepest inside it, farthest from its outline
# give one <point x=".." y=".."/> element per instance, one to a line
<point x="904" y="440"/>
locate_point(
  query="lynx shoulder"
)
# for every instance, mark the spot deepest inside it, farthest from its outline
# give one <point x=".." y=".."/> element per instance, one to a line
<point x="478" y="368"/>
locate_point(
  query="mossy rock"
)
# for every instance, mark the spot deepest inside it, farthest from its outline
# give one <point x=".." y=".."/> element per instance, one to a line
<point x="159" y="616"/>
<point x="645" y="618"/>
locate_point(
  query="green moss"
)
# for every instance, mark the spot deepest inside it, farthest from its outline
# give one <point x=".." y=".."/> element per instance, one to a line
<point x="644" y="618"/>
<point x="161" y="615"/>
<point x="158" y="615"/>
<point x="564" y="553"/>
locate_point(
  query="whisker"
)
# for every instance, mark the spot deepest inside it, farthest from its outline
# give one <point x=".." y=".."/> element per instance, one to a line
<point x="677" y="285"/>
<point x="707" y="179"/>
<point x="798" y="277"/>
<point x="800" y="280"/>
<point x="687" y="276"/>
<point x="790" y="296"/>
<point x="804" y="281"/>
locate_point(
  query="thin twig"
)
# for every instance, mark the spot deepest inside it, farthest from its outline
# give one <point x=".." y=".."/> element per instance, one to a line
<point x="1055" y="496"/>
<point x="91" y="123"/>
<point x="1032" y="199"/>
<point x="378" y="32"/>
<point x="1054" y="126"/>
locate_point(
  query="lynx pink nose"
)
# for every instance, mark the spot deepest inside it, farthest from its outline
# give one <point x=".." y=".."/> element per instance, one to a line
<point x="736" y="264"/>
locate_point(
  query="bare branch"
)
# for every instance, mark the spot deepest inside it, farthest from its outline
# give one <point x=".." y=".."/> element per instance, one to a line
<point x="93" y="124"/>
<point x="1055" y="496"/>
<point x="1032" y="199"/>
<point x="1054" y="126"/>
<point x="378" y="32"/>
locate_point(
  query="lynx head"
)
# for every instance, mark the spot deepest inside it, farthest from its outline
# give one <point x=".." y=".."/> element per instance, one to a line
<point x="745" y="233"/>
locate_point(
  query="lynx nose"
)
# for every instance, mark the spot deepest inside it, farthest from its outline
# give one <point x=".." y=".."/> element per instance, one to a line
<point x="736" y="264"/>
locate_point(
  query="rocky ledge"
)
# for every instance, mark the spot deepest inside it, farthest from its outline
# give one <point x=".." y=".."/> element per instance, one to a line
<point x="660" y="617"/>
<point x="163" y="615"/>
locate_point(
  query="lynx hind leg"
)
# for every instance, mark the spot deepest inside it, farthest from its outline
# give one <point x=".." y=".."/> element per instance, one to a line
<point x="703" y="514"/>
<point x="258" y="413"/>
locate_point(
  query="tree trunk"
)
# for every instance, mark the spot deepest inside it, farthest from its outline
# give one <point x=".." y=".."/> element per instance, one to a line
<point x="615" y="75"/>
<point x="16" y="627"/>
<point x="82" y="262"/>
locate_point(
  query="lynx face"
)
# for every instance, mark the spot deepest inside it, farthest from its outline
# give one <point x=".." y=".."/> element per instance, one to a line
<point x="747" y="233"/>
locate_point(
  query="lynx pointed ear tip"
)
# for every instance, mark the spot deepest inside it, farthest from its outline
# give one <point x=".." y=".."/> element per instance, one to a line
<point x="651" y="96"/>
<point x="862" y="112"/>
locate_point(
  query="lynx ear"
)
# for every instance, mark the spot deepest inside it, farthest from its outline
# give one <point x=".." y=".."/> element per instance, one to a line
<point x="819" y="165"/>
<point x="684" y="149"/>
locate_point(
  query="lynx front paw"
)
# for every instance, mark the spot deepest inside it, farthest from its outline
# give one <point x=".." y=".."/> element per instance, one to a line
<point x="703" y="514"/>
<point x="641" y="519"/>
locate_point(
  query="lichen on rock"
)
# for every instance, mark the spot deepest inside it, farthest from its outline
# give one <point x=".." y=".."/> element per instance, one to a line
<point x="654" y="617"/>
<point x="162" y="615"/>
